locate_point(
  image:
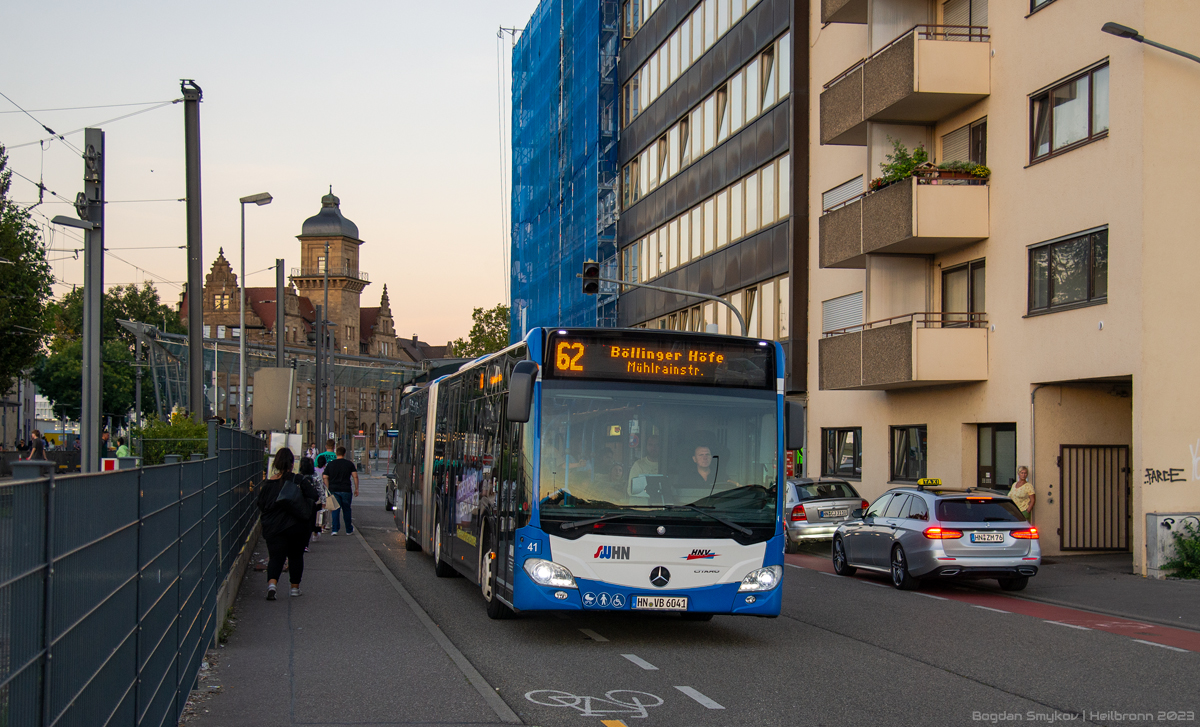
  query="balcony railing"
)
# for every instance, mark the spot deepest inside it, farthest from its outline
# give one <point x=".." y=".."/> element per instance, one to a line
<point x="915" y="78"/>
<point x="905" y="351"/>
<point x="352" y="273"/>
<point x="924" y="319"/>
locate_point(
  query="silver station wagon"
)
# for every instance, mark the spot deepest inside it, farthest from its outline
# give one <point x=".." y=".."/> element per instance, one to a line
<point x="813" y="509"/>
<point x="927" y="532"/>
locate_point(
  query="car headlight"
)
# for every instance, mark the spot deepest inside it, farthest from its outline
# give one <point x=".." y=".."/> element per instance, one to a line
<point x="763" y="579"/>
<point x="549" y="573"/>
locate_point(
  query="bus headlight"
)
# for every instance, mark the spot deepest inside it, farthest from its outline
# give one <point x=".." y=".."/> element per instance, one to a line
<point x="763" y="579"/>
<point x="549" y="573"/>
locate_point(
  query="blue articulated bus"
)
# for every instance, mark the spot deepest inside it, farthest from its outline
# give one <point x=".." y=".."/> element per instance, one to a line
<point x="602" y="469"/>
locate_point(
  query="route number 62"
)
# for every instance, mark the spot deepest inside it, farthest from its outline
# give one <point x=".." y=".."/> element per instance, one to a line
<point x="564" y="360"/>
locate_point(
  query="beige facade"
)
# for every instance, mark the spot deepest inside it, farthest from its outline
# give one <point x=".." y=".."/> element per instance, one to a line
<point x="1089" y="360"/>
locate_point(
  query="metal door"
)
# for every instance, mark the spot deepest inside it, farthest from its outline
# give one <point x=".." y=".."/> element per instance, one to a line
<point x="1094" y="497"/>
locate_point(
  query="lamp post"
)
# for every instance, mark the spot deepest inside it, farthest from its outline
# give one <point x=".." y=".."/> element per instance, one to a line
<point x="1124" y="31"/>
<point x="260" y="200"/>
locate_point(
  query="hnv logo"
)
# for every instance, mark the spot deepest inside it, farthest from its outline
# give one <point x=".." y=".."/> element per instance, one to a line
<point x="613" y="552"/>
<point x="700" y="555"/>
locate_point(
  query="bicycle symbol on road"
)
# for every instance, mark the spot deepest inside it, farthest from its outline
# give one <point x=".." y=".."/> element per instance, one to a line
<point x="618" y="701"/>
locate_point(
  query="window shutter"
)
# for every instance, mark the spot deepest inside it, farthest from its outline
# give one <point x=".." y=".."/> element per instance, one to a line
<point x="956" y="12"/>
<point x="842" y="312"/>
<point x="956" y="146"/>
<point x="979" y="13"/>
<point x="842" y="192"/>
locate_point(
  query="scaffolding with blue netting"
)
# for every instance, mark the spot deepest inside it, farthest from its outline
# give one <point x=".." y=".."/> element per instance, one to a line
<point x="564" y="164"/>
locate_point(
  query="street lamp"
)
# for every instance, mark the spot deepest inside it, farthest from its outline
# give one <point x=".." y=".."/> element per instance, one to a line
<point x="260" y="200"/>
<point x="1124" y="31"/>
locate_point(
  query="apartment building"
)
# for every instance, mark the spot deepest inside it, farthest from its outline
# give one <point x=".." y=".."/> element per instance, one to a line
<point x="1032" y="303"/>
<point x="713" y="195"/>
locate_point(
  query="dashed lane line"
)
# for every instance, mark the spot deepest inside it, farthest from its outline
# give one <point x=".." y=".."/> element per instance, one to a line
<point x="493" y="700"/>
<point x="1071" y="626"/>
<point x="989" y="608"/>
<point x="1163" y="646"/>
<point x="593" y="635"/>
<point x="930" y="595"/>
<point x="703" y="700"/>
<point x="640" y="662"/>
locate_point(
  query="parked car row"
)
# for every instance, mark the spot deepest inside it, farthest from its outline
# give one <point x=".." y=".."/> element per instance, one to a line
<point x="915" y="532"/>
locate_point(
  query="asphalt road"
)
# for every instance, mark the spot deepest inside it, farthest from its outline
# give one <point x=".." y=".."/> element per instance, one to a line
<point x="845" y="651"/>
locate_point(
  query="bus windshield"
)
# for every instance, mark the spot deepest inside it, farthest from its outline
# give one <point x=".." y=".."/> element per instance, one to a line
<point x="611" y="447"/>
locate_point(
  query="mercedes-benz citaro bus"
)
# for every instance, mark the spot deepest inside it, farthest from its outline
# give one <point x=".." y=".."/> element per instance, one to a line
<point x="602" y="469"/>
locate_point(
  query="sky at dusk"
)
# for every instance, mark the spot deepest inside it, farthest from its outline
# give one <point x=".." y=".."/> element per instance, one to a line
<point x="395" y="104"/>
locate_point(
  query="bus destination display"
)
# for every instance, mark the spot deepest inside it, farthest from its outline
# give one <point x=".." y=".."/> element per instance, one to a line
<point x="691" y="360"/>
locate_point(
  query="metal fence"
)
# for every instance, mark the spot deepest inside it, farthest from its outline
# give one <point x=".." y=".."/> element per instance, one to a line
<point x="108" y="584"/>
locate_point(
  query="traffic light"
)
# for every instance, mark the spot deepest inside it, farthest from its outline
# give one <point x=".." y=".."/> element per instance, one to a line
<point x="591" y="277"/>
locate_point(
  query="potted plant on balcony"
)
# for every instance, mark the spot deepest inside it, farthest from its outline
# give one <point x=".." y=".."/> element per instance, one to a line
<point x="958" y="170"/>
<point x="900" y="165"/>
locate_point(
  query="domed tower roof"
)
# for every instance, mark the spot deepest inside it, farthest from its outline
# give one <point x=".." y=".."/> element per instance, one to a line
<point x="329" y="222"/>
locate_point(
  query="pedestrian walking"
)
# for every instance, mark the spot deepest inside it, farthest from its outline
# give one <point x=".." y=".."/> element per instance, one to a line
<point x="284" y="528"/>
<point x="339" y="474"/>
<point x="1022" y="493"/>
<point x="37" y="446"/>
<point x="309" y="472"/>
<point x="122" y="448"/>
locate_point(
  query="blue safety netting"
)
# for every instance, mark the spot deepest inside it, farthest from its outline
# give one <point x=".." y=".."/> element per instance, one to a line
<point x="564" y="164"/>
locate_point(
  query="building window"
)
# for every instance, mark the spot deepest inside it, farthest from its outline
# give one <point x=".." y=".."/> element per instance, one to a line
<point x="1038" y="4"/>
<point x="1069" y="113"/>
<point x="909" y="449"/>
<point x="967" y="143"/>
<point x="843" y="452"/>
<point x="964" y="294"/>
<point x="320" y="263"/>
<point x="1070" y="272"/>
<point x="221" y="301"/>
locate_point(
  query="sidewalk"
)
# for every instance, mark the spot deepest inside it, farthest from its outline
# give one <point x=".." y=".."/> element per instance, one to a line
<point x="354" y="648"/>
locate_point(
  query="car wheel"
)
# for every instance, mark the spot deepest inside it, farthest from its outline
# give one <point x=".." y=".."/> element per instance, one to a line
<point x="441" y="568"/>
<point x="1014" y="584"/>
<point x="387" y="499"/>
<point x="788" y="545"/>
<point x="900" y="576"/>
<point x="840" y="565"/>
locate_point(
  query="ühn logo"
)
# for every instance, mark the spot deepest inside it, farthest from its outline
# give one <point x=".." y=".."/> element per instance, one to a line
<point x="700" y="555"/>
<point x="613" y="552"/>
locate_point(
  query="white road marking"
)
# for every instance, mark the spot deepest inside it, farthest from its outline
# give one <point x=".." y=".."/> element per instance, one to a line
<point x="985" y="608"/>
<point x="872" y="583"/>
<point x="640" y="661"/>
<point x="1163" y="646"/>
<point x="793" y="565"/>
<point x="1071" y="626"/>
<point x="927" y="595"/>
<point x="593" y="635"/>
<point x="835" y="575"/>
<point x="703" y="700"/>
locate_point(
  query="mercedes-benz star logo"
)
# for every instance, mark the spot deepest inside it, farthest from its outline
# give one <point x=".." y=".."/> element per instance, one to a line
<point x="660" y="577"/>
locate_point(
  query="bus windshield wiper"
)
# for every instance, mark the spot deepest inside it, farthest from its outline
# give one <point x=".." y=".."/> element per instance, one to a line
<point x="602" y="518"/>
<point x="718" y="518"/>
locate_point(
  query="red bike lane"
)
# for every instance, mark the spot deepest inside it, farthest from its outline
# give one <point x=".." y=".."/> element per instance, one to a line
<point x="1146" y="633"/>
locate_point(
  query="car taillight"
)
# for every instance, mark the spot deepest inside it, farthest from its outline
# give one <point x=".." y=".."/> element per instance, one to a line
<point x="798" y="514"/>
<point x="1030" y="534"/>
<point x="936" y="533"/>
<point x="865" y="505"/>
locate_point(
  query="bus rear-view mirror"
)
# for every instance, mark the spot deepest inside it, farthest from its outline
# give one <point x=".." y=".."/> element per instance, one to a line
<point x="520" y="391"/>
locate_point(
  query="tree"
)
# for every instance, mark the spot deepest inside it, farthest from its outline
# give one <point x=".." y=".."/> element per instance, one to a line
<point x="59" y="376"/>
<point x="25" y="280"/>
<point x="488" y="334"/>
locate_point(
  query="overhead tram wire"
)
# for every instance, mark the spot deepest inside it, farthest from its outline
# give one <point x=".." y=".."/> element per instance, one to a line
<point x="53" y="134"/>
<point x="82" y="108"/>
<point x="98" y="124"/>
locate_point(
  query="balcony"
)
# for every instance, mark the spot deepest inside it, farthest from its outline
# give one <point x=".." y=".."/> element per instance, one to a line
<point x="844" y="11"/>
<point x="918" y="349"/>
<point x="351" y="273"/>
<point x="916" y="216"/>
<point x="921" y="77"/>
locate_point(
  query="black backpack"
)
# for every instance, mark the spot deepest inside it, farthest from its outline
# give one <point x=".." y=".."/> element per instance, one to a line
<point x="291" y="498"/>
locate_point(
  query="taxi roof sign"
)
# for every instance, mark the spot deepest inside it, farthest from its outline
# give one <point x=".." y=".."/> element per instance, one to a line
<point x="929" y="482"/>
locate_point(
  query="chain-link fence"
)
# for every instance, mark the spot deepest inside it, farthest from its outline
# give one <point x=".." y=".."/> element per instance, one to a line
<point x="108" y="584"/>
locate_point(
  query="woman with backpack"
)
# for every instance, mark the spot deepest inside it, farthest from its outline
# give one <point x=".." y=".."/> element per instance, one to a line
<point x="287" y="503"/>
<point x="308" y="472"/>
